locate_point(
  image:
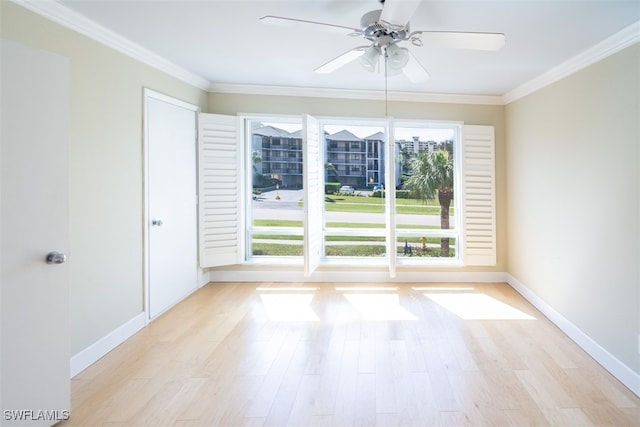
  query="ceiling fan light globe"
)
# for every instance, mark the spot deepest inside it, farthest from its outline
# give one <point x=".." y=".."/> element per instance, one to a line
<point x="397" y="57"/>
<point x="369" y="60"/>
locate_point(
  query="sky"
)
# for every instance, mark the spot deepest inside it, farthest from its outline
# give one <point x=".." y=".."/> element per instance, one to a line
<point x="437" y="134"/>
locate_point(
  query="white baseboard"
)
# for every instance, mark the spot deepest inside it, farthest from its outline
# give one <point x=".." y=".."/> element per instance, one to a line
<point x="203" y="277"/>
<point x="352" y="276"/>
<point x="618" y="369"/>
<point x="83" y="359"/>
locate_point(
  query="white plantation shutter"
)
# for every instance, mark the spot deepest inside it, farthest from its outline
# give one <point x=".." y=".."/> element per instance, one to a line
<point x="313" y="194"/>
<point x="219" y="190"/>
<point x="478" y="188"/>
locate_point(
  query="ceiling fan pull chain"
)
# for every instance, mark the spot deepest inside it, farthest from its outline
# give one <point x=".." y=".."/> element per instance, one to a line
<point x="386" y="95"/>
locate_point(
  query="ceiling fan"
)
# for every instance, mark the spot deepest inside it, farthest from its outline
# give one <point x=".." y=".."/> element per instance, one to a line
<point x="385" y="29"/>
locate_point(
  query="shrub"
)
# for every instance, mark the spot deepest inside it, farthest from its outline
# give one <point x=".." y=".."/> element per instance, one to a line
<point x="331" y="187"/>
<point x="400" y="194"/>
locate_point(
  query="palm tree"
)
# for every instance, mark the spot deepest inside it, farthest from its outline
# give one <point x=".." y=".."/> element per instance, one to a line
<point x="331" y="168"/>
<point x="431" y="175"/>
<point x="256" y="158"/>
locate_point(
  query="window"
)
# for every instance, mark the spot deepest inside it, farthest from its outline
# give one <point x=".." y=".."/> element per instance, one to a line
<point x="275" y="213"/>
<point x="425" y="222"/>
<point x="387" y="220"/>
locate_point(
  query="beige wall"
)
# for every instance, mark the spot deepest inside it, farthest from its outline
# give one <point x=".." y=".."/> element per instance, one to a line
<point x="469" y="114"/>
<point x="106" y="193"/>
<point x="572" y="200"/>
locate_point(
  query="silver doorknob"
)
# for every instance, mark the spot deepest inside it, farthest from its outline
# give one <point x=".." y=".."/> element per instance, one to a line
<point x="56" y="258"/>
<point x="156" y="222"/>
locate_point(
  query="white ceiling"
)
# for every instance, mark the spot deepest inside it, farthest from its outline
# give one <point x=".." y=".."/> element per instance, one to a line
<point x="225" y="43"/>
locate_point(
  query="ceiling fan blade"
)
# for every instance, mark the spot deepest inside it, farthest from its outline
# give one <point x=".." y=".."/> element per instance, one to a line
<point x="341" y="60"/>
<point x="459" y="40"/>
<point x="289" y="22"/>
<point x="414" y="71"/>
<point x="398" y="12"/>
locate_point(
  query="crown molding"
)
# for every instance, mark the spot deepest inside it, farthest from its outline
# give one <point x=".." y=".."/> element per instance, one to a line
<point x="60" y="14"/>
<point x="353" y="94"/>
<point x="68" y="18"/>
<point x="626" y="37"/>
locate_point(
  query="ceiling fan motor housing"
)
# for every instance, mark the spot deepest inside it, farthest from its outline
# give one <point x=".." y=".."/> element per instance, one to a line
<point x="380" y="33"/>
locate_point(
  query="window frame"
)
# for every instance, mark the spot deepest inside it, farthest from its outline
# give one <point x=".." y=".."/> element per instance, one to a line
<point x="458" y="232"/>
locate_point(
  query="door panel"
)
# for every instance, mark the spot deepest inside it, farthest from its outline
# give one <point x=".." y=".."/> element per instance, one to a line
<point x="35" y="215"/>
<point x="172" y="227"/>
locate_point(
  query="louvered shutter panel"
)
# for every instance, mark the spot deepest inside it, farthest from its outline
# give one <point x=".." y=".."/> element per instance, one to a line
<point x="478" y="186"/>
<point x="313" y="195"/>
<point x="219" y="190"/>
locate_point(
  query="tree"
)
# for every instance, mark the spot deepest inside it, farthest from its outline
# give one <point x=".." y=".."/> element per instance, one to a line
<point x="256" y="159"/>
<point x="431" y="175"/>
<point x="329" y="167"/>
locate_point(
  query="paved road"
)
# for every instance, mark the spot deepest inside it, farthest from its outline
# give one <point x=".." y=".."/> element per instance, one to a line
<point x="267" y="207"/>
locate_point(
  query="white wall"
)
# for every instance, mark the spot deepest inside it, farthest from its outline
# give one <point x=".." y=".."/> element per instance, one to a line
<point x="572" y="200"/>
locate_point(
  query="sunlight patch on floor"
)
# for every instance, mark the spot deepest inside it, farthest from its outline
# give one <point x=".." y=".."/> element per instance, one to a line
<point x="289" y="307"/>
<point x="379" y="306"/>
<point x="444" y="288"/>
<point x="477" y="306"/>
<point x="366" y="288"/>
<point x="285" y="289"/>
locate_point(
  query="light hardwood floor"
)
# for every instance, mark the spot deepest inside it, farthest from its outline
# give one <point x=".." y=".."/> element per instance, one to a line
<point x="278" y="354"/>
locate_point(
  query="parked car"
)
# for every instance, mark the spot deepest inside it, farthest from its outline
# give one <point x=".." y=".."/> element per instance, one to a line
<point x="347" y="189"/>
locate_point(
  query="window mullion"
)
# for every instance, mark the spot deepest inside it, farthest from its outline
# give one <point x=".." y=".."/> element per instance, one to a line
<point x="390" y="196"/>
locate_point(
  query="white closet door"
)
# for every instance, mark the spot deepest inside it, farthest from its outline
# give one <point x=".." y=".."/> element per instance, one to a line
<point x="313" y="194"/>
<point x="172" y="196"/>
<point x="479" y="198"/>
<point x="220" y="180"/>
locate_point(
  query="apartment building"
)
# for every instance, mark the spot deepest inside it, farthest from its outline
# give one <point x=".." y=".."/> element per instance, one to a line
<point x="358" y="162"/>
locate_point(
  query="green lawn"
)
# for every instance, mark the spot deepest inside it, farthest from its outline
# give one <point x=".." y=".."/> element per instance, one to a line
<point x="353" y="204"/>
<point x="343" y="238"/>
<point x="274" y="249"/>
<point x="376" y="205"/>
<point x="299" y="224"/>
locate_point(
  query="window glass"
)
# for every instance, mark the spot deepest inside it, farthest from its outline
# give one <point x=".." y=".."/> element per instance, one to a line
<point x="355" y="223"/>
<point x="425" y="197"/>
<point x="276" y="214"/>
